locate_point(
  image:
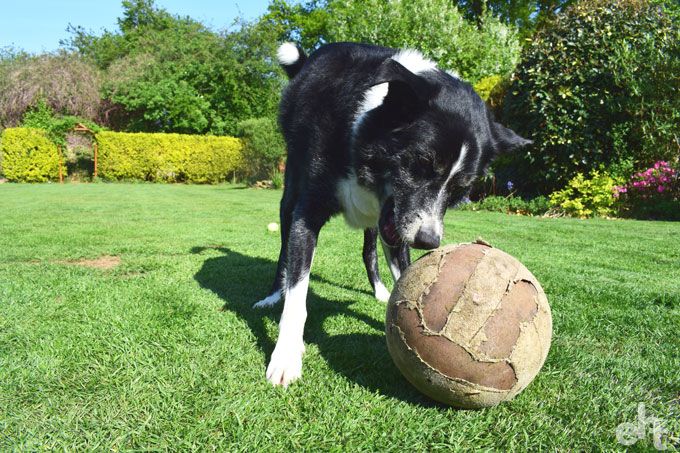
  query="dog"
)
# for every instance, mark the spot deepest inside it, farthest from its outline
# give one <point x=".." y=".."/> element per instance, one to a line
<point x="387" y="139"/>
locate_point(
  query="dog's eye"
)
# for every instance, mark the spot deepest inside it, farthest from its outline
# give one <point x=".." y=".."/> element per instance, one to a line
<point x="422" y="166"/>
<point x="457" y="195"/>
<point x="440" y="169"/>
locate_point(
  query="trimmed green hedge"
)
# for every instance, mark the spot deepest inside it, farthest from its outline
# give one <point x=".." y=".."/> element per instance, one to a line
<point x="28" y="155"/>
<point x="168" y="157"/>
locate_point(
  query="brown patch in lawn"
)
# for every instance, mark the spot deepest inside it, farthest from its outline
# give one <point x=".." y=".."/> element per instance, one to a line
<point x="103" y="262"/>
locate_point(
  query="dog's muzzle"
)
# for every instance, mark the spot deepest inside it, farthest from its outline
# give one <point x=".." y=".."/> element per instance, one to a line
<point x="427" y="238"/>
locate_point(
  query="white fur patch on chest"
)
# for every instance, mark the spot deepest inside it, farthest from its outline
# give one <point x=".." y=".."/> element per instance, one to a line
<point x="360" y="206"/>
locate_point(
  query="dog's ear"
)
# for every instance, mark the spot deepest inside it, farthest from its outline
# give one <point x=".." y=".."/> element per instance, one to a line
<point x="506" y="139"/>
<point x="407" y="94"/>
<point x="404" y="86"/>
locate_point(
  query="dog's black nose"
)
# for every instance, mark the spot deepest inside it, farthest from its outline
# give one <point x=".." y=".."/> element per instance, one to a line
<point x="426" y="238"/>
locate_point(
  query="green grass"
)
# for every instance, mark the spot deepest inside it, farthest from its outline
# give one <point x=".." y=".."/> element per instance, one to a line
<point x="164" y="351"/>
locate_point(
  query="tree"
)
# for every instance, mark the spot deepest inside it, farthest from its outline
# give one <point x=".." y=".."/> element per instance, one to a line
<point x="305" y="23"/>
<point x="600" y="88"/>
<point x="526" y="15"/>
<point x="435" y="27"/>
<point x="66" y="83"/>
<point x="173" y="74"/>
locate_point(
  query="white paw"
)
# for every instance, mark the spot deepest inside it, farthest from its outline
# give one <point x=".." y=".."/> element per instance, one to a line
<point x="381" y="293"/>
<point x="285" y="365"/>
<point x="269" y="301"/>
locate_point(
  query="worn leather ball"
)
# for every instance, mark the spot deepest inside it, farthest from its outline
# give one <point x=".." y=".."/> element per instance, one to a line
<point x="468" y="325"/>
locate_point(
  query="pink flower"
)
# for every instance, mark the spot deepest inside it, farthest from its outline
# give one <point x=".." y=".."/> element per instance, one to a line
<point x="660" y="189"/>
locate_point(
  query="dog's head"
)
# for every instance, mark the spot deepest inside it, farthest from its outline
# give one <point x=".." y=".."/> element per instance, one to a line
<point x="424" y="140"/>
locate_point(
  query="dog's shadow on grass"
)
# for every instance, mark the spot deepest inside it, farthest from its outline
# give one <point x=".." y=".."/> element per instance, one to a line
<point x="241" y="280"/>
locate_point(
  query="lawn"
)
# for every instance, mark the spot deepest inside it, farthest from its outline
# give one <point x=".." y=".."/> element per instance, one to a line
<point x="155" y="346"/>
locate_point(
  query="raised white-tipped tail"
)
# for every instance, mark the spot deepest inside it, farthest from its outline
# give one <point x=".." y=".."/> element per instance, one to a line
<point x="288" y="54"/>
<point x="414" y="61"/>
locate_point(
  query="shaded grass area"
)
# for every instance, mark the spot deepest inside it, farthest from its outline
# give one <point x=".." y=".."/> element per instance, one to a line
<point x="162" y="350"/>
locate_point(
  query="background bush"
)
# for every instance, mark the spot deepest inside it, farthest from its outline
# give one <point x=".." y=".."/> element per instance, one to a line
<point x="435" y="27"/>
<point x="264" y="148"/>
<point x="65" y="82"/>
<point x="28" y="155"/>
<point x="57" y="127"/>
<point x="599" y="85"/>
<point x="587" y="197"/>
<point x="76" y="147"/>
<point x="652" y="194"/>
<point x="168" y="157"/>
<point x="492" y="90"/>
<point x="169" y="73"/>
<point x="509" y="205"/>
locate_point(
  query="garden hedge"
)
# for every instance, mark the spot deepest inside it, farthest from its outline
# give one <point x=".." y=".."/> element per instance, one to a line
<point x="168" y="157"/>
<point x="28" y="155"/>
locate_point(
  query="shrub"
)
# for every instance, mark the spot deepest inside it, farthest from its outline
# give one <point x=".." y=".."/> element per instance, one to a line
<point x="264" y="148"/>
<point x="436" y="27"/>
<point x="28" y="155"/>
<point x="653" y="193"/>
<point x="66" y="82"/>
<point x="77" y="147"/>
<point x="57" y="127"/>
<point x="492" y="90"/>
<point x="597" y="86"/>
<point x="167" y="157"/>
<point x="277" y="180"/>
<point x="587" y="197"/>
<point x="509" y="205"/>
<point x="484" y="86"/>
<point x="170" y="73"/>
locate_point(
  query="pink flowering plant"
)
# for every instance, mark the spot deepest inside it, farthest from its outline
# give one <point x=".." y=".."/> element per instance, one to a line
<point x="659" y="186"/>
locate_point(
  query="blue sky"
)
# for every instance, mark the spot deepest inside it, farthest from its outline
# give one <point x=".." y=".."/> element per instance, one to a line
<point x="38" y="25"/>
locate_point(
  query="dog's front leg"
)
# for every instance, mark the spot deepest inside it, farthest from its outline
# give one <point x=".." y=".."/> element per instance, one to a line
<point x="370" y="255"/>
<point x="285" y="365"/>
<point x="398" y="259"/>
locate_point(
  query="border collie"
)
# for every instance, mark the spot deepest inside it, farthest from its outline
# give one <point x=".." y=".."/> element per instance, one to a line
<point x="388" y="139"/>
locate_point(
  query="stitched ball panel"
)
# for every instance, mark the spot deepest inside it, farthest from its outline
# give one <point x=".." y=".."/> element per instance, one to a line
<point x="468" y="325"/>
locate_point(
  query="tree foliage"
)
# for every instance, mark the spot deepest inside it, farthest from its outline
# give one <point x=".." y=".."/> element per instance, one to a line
<point x="162" y="72"/>
<point x="436" y="27"/>
<point x="263" y="148"/>
<point x="57" y="127"/>
<point x="65" y="82"/>
<point x="173" y="74"/>
<point x="526" y="15"/>
<point x="598" y="88"/>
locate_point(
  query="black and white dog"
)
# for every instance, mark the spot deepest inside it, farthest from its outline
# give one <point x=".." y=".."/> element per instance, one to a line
<point x="388" y="139"/>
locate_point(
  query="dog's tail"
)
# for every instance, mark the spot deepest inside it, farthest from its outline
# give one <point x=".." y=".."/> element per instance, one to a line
<point x="291" y="58"/>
